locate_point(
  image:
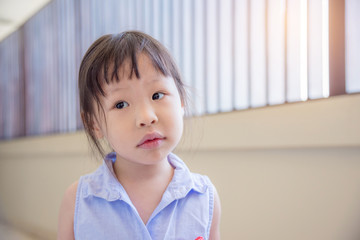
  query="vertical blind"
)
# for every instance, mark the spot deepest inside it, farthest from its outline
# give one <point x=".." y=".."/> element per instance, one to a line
<point x="233" y="54"/>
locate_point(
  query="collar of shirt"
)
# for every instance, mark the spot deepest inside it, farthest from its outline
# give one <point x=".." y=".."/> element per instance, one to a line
<point x="104" y="184"/>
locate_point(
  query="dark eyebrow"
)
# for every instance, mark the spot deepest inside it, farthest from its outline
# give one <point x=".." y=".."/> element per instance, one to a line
<point x="155" y="80"/>
<point x="116" y="89"/>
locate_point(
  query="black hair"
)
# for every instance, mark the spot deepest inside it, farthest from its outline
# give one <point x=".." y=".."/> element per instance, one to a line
<point x="102" y="62"/>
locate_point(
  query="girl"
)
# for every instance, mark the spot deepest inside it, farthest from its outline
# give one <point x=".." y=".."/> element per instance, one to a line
<point x="132" y="95"/>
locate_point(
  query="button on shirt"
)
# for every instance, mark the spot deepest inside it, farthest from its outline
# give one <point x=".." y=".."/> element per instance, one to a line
<point x="103" y="209"/>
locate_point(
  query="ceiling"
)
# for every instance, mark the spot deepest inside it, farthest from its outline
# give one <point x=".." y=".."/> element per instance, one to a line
<point x="13" y="13"/>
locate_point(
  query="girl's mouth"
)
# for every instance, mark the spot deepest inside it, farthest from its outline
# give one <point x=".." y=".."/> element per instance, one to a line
<point x="151" y="140"/>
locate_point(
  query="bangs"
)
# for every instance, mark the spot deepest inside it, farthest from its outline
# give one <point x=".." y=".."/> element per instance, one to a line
<point x="120" y="53"/>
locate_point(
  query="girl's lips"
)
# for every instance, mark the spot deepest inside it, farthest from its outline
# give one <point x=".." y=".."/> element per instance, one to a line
<point x="150" y="144"/>
<point x="151" y="140"/>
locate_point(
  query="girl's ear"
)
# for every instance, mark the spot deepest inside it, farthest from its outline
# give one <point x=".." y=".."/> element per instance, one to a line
<point x="182" y="108"/>
<point x="97" y="130"/>
<point x="94" y="126"/>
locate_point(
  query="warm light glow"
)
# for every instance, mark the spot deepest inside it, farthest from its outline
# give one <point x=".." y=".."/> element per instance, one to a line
<point x="325" y="47"/>
<point x="303" y="51"/>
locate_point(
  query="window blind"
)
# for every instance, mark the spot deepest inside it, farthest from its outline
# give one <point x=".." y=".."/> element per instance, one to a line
<point x="233" y="54"/>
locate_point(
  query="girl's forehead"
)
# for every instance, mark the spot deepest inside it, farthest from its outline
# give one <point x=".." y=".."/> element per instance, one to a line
<point x="143" y="64"/>
<point x="148" y="73"/>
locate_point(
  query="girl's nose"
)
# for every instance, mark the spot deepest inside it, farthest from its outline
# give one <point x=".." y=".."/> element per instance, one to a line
<point x="146" y="117"/>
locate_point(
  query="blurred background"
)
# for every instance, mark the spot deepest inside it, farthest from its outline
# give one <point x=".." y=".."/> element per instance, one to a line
<point x="275" y="108"/>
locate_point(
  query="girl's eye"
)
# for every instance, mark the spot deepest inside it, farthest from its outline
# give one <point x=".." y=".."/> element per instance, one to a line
<point x="121" y="105"/>
<point x="157" y="96"/>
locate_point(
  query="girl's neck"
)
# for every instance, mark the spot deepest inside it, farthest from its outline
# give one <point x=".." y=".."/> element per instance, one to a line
<point x="130" y="172"/>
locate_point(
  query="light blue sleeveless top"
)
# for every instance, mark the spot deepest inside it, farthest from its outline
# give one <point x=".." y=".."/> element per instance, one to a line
<point x="103" y="209"/>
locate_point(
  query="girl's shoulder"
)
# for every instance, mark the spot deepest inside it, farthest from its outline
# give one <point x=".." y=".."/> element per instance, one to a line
<point x="66" y="215"/>
<point x="70" y="193"/>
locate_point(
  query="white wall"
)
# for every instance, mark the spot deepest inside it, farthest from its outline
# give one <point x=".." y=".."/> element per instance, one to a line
<point x="283" y="172"/>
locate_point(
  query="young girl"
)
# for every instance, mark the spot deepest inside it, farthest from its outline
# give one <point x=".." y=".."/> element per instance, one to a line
<point x="132" y="95"/>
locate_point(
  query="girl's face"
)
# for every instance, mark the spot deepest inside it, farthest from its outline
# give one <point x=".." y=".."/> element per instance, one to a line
<point x="144" y="117"/>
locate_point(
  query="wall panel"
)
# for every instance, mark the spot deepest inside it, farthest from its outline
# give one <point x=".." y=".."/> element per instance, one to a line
<point x="233" y="54"/>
